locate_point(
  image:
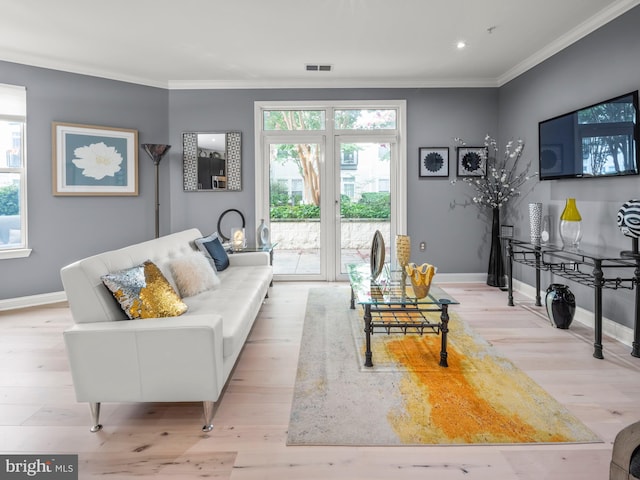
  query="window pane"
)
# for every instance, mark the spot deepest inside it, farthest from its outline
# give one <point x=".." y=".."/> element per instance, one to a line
<point x="294" y="120"/>
<point x="10" y="144"/>
<point x="10" y="224"/>
<point x="294" y="173"/>
<point x="365" y="119"/>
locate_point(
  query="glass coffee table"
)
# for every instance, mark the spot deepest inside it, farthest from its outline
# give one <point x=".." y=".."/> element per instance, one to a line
<point x="390" y="306"/>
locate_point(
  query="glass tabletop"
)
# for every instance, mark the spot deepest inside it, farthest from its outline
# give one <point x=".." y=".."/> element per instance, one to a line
<point x="601" y="252"/>
<point x="389" y="288"/>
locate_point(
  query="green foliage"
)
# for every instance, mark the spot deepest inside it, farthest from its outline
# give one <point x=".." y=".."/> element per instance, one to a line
<point x="295" y="212"/>
<point x="278" y="194"/>
<point x="9" y="200"/>
<point x="378" y="199"/>
<point x="374" y="206"/>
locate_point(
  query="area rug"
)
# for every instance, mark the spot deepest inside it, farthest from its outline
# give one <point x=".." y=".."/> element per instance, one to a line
<point x="406" y="398"/>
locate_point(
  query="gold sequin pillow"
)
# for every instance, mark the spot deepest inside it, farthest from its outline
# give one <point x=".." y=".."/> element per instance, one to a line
<point x="144" y="292"/>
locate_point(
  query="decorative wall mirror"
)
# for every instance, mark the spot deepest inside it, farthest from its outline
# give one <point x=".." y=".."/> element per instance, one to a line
<point x="211" y="161"/>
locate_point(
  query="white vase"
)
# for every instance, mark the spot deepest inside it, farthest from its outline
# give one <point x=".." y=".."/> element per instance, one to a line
<point x="262" y="235"/>
<point x="535" y="221"/>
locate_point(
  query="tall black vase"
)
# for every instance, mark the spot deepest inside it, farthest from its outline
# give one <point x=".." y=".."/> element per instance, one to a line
<point x="495" y="273"/>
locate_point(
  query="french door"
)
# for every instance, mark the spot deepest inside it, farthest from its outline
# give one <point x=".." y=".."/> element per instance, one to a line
<point x="324" y="185"/>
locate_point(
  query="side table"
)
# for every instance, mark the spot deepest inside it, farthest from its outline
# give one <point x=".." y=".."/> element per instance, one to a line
<point x="266" y="248"/>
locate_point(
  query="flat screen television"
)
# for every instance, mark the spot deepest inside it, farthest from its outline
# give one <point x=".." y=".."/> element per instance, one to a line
<point x="593" y="142"/>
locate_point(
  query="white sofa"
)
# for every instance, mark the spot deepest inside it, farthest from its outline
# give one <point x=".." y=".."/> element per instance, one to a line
<point x="175" y="359"/>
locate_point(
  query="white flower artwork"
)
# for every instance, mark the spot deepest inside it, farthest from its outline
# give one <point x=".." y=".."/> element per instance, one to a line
<point x="97" y="160"/>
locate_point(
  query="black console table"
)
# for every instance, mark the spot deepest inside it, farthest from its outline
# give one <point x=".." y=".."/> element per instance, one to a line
<point x="585" y="265"/>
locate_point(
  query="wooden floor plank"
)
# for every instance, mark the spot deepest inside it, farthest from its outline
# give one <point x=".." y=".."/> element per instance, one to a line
<point x="39" y="414"/>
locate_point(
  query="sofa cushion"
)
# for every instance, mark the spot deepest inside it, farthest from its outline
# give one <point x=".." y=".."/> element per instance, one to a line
<point x="193" y="274"/>
<point x="144" y="292"/>
<point x="212" y="246"/>
<point x="237" y="300"/>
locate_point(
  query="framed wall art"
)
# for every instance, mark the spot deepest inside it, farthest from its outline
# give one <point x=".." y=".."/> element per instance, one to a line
<point x="93" y="160"/>
<point x="433" y="162"/>
<point x="472" y="161"/>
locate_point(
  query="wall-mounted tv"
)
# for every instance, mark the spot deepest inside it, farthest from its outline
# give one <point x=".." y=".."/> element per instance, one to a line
<point x="595" y="141"/>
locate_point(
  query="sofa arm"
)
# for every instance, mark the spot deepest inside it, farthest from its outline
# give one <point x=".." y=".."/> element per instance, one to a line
<point x="151" y="360"/>
<point x="247" y="259"/>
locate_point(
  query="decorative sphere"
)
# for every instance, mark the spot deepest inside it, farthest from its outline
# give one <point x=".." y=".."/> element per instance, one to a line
<point x="629" y="218"/>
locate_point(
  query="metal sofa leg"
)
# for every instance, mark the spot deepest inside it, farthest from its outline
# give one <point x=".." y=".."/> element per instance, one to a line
<point x="208" y="416"/>
<point x="95" y="416"/>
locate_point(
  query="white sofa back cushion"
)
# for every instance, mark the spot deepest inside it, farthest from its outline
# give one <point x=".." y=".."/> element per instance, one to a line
<point x="85" y="289"/>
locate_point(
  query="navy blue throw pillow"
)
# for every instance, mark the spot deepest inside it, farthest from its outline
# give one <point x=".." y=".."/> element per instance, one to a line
<point x="212" y="247"/>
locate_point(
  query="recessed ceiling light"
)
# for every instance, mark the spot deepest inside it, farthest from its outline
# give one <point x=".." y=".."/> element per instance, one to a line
<point x="461" y="45"/>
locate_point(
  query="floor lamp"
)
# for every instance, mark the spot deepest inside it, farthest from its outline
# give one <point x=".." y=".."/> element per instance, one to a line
<point x="156" y="152"/>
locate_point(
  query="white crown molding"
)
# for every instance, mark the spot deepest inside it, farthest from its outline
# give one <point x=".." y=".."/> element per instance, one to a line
<point x="329" y="83"/>
<point x="39" y="62"/>
<point x="569" y="38"/>
<point x="603" y="17"/>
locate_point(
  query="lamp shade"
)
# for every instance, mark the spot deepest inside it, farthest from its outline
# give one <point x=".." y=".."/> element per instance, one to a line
<point x="155" y="150"/>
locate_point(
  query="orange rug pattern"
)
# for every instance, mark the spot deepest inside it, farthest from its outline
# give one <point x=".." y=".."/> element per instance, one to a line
<point x="407" y="398"/>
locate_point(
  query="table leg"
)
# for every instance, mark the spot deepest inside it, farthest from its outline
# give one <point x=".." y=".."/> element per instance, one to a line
<point x="538" y="299"/>
<point x="598" y="276"/>
<point x="353" y="300"/>
<point x="444" y="329"/>
<point x="367" y="330"/>
<point x="635" y="345"/>
<point x="510" y="273"/>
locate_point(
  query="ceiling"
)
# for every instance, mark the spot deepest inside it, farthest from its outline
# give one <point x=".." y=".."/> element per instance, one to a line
<point x="267" y="43"/>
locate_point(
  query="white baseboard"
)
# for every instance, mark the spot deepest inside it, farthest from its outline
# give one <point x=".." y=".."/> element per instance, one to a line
<point x="461" y="277"/>
<point x="610" y="328"/>
<point x="32" y="300"/>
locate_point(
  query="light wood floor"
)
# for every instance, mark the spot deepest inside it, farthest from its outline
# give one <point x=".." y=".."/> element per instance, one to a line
<point x="39" y="414"/>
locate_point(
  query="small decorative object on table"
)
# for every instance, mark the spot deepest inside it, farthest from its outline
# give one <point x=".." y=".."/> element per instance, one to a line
<point x="629" y="224"/>
<point x="571" y="224"/>
<point x="377" y="254"/>
<point x="238" y="238"/>
<point x="403" y="249"/>
<point x="561" y="305"/>
<point x="545" y="230"/>
<point x="535" y="221"/>
<point x="421" y="277"/>
<point x="262" y="235"/>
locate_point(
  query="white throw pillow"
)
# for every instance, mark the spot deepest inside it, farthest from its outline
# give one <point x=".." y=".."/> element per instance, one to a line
<point x="193" y="274"/>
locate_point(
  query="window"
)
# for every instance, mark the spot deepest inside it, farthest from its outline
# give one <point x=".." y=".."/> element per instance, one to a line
<point x="13" y="218"/>
<point x="363" y="119"/>
<point x="289" y="120"/>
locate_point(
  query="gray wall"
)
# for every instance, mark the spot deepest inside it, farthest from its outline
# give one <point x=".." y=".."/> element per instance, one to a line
<point x="63" y="229"/>
<point x="456" y="236"/>
<point x="603" y="65"/>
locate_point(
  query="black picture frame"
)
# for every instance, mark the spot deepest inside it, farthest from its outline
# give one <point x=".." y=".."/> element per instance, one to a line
<point x="472" y="161"/>
<point x="433" y="162"/>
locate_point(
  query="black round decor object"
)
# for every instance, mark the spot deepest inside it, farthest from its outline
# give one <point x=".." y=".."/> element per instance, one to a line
<point x="231" y="210"/>
<point x="561" y="305"/>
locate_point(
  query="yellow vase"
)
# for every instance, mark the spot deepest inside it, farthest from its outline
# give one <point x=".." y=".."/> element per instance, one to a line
<point x="571" y="224"/>
<point x="421" y="277"/>
<point x="403" y="249"/>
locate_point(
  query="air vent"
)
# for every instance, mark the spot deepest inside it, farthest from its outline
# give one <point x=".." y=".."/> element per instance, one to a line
<point x="318" y="68"/>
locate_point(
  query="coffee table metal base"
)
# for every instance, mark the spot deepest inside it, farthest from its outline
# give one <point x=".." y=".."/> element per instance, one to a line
<point x="406" y="318"/>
